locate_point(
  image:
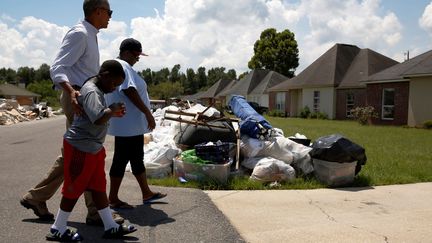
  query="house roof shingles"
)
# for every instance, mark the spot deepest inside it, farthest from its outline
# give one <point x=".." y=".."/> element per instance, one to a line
<point x="271" y="79"/>
<point x="256" y="82"/>
<point x="342" y="66"/>
<point x="366" y="63"/>
<point x="216" y="88"/>
<point x="13" y="90"/>
<point x="247" y="84"/>
<point x="419" y="65"/>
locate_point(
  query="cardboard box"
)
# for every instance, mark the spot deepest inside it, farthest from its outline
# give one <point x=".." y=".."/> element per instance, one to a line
<point x="334" y="173"/>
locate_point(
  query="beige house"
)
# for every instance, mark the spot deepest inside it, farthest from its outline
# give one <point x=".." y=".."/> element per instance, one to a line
<point x="331" y="84"/>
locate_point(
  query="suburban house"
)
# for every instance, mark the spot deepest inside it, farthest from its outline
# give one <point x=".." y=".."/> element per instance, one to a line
<point x="253" y="86"/>
<point x="209" y="96"/>
<point x="21" y="95"/>
<point x="331" y="84"/>
<point x="401" y="94"/>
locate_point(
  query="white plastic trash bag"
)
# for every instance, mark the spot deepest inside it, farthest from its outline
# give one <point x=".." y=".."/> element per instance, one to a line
<point x="211" y="112"/>
<point x="269" y="170"/>
<point x="280" y="148"/>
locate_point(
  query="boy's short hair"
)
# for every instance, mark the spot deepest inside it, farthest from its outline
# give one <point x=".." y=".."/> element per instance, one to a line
<point x="90" y="5"/>
<point x="112" y="68"/>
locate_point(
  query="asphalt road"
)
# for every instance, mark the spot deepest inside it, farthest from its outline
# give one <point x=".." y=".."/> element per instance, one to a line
<point x="27" y="151"/>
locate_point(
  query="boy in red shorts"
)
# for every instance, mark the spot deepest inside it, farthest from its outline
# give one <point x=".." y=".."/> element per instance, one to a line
<point x="84" y="154"/>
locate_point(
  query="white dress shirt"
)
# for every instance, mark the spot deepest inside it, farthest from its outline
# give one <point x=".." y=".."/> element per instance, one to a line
<point x="78" y="58"/>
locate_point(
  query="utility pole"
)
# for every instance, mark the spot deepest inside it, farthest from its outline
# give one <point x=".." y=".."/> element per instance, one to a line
<point x="406" y="55"/>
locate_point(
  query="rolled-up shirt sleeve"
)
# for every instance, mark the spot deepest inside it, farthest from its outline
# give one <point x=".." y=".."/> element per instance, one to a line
<point x="73" y="47"/>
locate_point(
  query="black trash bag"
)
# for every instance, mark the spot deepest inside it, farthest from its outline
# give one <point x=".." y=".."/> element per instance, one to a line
<point x="336" y="148"/>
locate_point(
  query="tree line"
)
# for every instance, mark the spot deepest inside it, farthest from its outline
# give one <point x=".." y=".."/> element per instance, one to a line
<point x="162" y="84"/>
<point x="274" y="50"/>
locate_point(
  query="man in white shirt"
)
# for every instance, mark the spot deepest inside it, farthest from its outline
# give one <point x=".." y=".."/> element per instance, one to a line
<point x="76" y="61"/>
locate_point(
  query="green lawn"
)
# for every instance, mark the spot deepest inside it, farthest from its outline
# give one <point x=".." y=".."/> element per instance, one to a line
<point x="396" y="155"/>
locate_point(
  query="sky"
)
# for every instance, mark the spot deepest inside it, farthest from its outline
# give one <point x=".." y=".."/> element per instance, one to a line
<point x="217" y="33"/>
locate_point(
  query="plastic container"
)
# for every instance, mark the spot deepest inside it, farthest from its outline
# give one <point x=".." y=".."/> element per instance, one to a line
<point x="334" y="173"/>
<point x="198" y="172"/>
<point x="217" y="153"/>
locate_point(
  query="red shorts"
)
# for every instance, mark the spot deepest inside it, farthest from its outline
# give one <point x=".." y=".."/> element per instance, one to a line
<point x="82" y="171"/>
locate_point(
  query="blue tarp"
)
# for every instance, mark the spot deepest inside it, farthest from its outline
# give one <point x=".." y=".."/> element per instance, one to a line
<point x="252" y="124"/>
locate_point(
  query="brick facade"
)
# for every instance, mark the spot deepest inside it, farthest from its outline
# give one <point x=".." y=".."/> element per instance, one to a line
<point x="341" y="97"/>
<point x="374" y="98"/>
<point x="272" y="101"/>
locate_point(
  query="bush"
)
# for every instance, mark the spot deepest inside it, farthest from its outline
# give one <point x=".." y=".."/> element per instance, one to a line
<point x="48" y="94"/>
<point x="428" y="124"/>
<point x="363" y="114"/>
<point x="305" y="112"/>
<point x="276" y="113"/>
<point x="318" y="115"/>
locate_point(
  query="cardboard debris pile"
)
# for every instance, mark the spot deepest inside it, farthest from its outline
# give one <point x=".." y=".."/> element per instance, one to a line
<point x="11" y="112"/>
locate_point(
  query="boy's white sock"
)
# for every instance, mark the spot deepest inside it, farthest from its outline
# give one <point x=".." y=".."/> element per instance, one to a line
<point x="61" y="221"/>
<point x="107" y="218"/>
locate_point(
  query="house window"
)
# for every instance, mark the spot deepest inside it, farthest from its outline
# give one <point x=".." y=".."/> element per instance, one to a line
<point x="316" y="101"/>
<point x="280" y="101"/>
<point x="388" y="104"/>
<point x="349" y="104"/>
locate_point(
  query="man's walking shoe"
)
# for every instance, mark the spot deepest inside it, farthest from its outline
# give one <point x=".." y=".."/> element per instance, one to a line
<point x="98" y="221"/>
<point x="116" y="233"/>
<point x="67" y="236"/>
<point x="39" y="208"/>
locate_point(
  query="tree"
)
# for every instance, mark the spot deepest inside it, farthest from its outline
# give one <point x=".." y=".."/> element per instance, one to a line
<point x="232" y="74"/>
<point x="174" y="75"/>
<point x="44" y="88"/>
<point x="147" y="75"/>
<point x="161" y="76"/>
<point x="26" y="75"/>
<point x="7" y="75"/>
<point x="276" y="51"/>
<point x="243" y="75"/>
<point x="42" y="73"/>
<point x="191" y="83"/>
<point x="215" y="74"/>
<point x="165" y="90"/>
<point x="201" y="77"/>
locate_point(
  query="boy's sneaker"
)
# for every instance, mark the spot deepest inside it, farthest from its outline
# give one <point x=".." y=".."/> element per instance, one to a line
<point x="67" y="236"/>
<point x="116" y="233"/>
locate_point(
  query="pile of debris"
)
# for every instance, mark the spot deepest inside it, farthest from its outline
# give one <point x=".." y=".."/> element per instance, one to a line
<point x="200" y="143"/>
<point x="11" y="112"/>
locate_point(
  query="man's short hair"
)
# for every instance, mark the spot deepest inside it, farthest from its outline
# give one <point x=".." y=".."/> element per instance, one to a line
<point x="91" y="5"/>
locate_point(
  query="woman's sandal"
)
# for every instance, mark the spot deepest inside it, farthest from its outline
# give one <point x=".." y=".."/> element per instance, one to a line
<point x="156" y="196"/>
